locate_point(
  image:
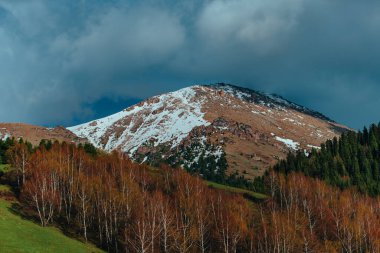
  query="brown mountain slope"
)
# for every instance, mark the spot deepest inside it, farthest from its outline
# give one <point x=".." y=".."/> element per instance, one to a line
<point x="35" y="134"/>
<point x="200" y="126"/>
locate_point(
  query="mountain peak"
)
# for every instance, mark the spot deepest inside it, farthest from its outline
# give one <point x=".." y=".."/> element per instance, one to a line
<point x="210" y="124"/>
<point x="269" y="99"/>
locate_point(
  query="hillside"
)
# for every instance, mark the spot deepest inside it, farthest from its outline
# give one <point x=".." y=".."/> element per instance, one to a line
<point x="34" y="134"/>
<point x="351" y="160"/>
<point x="211" y="127"/>
<point x="22" y="235"/>
<point x="127" y="207"/>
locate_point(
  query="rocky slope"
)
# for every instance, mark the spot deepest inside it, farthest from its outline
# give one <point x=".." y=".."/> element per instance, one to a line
<point x="209" y="128"/>
<point x="35" y="134"/>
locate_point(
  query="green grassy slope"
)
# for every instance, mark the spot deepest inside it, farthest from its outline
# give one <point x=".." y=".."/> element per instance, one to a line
<point x="4" y="167"/>
<point x="19" y="235"/>
<point x="254" y="195"/>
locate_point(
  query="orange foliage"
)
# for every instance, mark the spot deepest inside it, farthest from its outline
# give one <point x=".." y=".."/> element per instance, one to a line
<point x="126" y="207"/>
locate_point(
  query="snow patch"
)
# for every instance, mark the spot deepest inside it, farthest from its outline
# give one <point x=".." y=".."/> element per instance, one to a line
<point x="202" y="148"/>
<point x="311" y="146"/>
<point x="4" y="135"/>
<point x="288" y="142"/>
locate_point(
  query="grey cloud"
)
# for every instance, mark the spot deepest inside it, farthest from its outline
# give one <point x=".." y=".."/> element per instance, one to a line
<point x="106" y="58"/>
<point x="317" y="44"/>
<point x="53" y="70"/>
<point x="252" y="22"/>
<point x="57" y="58"/>
<point x="127" y="40"/>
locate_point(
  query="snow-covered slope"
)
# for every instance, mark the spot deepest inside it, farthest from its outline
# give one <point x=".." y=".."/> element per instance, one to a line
<point x="216" y="126"/>
<point x="161" y="119"/>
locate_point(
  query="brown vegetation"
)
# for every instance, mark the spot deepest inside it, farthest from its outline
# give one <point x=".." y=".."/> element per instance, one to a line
<point x="130" y="208"/>
<point x="127" y="207"/>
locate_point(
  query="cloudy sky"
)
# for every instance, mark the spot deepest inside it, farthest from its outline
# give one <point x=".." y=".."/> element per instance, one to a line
<point x="65" y="62"/>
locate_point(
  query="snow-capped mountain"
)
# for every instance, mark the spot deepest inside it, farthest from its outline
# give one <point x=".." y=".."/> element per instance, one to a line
<point x="211" y="126"/>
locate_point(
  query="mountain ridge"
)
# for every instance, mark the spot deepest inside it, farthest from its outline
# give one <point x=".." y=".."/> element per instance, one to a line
<point x="34" y="134"/>
<point x="275" y="98"/>
<point x="220" y="125"/>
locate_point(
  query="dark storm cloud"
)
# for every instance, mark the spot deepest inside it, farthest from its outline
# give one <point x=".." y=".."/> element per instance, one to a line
<point x="60" y="59"/>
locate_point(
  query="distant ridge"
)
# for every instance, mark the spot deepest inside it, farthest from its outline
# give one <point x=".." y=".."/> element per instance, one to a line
<point x="35" y="134"/>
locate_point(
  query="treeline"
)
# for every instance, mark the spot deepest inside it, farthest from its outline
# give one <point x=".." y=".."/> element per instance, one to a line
<point x="205" y="167"/>
<point x="203" y="159"/>
<point x="351" y="160"/>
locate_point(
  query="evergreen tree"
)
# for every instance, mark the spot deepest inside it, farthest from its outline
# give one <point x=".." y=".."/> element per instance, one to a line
<point x="352" y="159"/>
